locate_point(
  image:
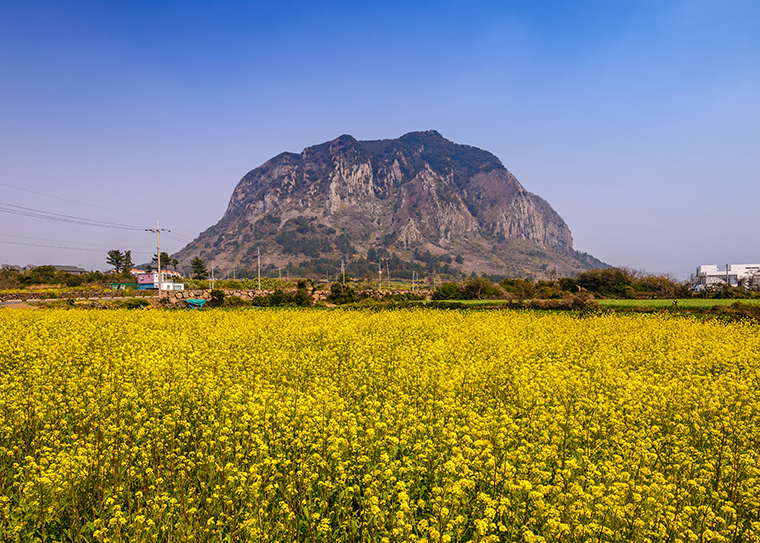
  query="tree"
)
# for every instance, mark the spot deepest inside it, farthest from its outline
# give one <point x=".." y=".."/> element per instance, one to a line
<point x="128" y="264"/>
<point x="478" y="288"/>
<point x="199" y="268"/>
<point x="166" y="261"/>
<point x="116" y="259"/>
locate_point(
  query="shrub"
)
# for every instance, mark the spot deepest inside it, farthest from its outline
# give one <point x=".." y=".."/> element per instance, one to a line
<point x="278" y="298"/>
<point x="479" y="288"/>
<point x="447" y="291"/>
<point x="217" y="298"/>
<point x="134" y="303"/>
<point x="302" y="297"/>
<point x="521" y="288"/>
<point x="340" y="294"/>
<point x="236" y="301"/>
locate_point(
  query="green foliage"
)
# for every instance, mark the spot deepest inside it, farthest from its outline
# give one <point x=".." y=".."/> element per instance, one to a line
<point x="115" y="258"/>
<point x="38" y="276"/>
<point x="128" y="264"/>
<point x="447" y="291"/>
<point x="568" y="284"/>
<point x="166" y="261"/>
<point x="472" y="288"/>
<point x="300" y="236"/>
<point x="608" y="282"/>
<point x="235" y="301"/>
<point x="217" y="298"/>
<point x="134" y="303"/>
<point x="340" y="294"/>
<point x="479" y="288"/>
<point x="302" y="297"/>
<point x="520" y="288"/>
<point x="629" y="283"/>
<point x="74" y="281"/>
<point x="9" y="278"/>
<point x="403" y="297"/>
<point x="199" y="268"/>
<point x="278" y="298"/>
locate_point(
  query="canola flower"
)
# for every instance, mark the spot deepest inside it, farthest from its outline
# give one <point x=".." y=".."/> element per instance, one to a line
<point x="422" y="426"/>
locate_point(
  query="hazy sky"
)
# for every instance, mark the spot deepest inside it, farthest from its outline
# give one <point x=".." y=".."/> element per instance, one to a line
<point x="638" y="121"/>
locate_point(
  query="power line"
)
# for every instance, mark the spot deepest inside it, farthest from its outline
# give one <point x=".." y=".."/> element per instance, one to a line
<point x="59" y="217"/>
<point x="85" y="204"/>
<point x="58" y="240"/>
<point x="75" y="202"/>
<point x="177" y="237"/>
<point x="60" y="247"/>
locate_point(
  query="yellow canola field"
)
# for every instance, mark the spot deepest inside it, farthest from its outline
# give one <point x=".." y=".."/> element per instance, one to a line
<point x="418" y="425"/>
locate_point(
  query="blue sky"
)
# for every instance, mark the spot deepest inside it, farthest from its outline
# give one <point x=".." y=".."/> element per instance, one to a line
<point x="638" y="121"/>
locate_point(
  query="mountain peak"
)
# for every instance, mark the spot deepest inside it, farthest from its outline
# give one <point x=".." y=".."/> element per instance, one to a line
<point x="419" y="194"/>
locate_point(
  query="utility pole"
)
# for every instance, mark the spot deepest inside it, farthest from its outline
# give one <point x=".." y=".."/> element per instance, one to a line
<point x="158" y="231"/>
<point x="212" y="275"/>
<point x="380" y="274"/>
<point x="388" y="269"/>
<point x="258" y="264"/>
<point x="343" y="271"/>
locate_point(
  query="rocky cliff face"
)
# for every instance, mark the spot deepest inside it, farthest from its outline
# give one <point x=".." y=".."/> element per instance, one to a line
<point x="420" y="194"/>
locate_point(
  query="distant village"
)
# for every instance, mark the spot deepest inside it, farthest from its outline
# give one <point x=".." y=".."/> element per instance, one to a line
<point x="706" y="278"/>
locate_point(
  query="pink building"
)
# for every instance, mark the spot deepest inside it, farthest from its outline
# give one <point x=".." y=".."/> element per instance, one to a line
<point x="149" y="281"/>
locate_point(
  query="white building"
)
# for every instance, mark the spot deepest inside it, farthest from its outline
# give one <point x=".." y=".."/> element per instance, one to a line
<point x="149" y="281"/>
<point x="734" y="275"/>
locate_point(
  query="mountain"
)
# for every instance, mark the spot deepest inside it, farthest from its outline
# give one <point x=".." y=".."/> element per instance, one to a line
<point x="419" y="202"/>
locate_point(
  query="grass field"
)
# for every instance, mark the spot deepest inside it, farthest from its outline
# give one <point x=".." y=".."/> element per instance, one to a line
<point x="408" y="425"/>
<point x="683" y="303"/>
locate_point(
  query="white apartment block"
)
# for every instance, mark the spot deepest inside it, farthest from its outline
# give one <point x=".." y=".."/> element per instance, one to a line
<point x="710" y="275"/>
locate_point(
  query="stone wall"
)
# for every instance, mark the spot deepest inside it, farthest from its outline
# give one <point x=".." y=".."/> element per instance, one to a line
<point x="177" y="297"/>
<point x="73" y="294"/>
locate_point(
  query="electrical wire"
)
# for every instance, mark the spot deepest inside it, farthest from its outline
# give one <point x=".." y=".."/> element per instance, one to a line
<point x="59" y="217"/>
<point x="60" y="247"/>
<point x="174" y="237"/>
<point x="57" y="240"/>
<point x="75" y="202"/>
<point x="85" y="204"/>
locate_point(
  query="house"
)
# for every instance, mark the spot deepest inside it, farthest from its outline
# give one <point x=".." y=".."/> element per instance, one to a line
<point x="123" y="286"/>
<point x="149" y="281"/>
<point x="708" y="276"/>
<point x="73" y="270"/>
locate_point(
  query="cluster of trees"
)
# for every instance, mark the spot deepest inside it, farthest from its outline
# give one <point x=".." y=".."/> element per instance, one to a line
<point x="423" y="264"/>
<point x="630" y="283"/>
<point x="601" y="282"/>
<point x="200" y="271"/>
<point x="299" y="236"/>
<point x="473" y="288"/>
<point x="166" y="262"/>
<point x="120" y="261"/>
<point x="11" y="278"/>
